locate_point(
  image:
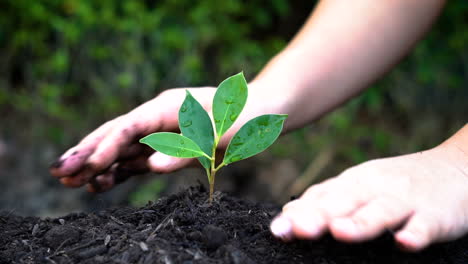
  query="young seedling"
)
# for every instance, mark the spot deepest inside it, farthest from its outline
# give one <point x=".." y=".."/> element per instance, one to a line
<point x="199" y="140"/>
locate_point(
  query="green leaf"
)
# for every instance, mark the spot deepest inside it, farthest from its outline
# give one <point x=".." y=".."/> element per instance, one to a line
<point x="195" y="124"/>
<point x="173" y="144"/>
<point x="228" y="102"/>
<point x="254" y="137"/>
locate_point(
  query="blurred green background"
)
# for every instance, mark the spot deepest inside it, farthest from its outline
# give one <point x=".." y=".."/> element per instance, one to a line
<point x="67" y="66"/>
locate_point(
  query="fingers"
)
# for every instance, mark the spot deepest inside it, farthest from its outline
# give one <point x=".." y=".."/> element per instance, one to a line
<point x="95" y="154"/>
<point x="306" y="224"/>
<point x="419" y="232"/>
<point x="309" y="216"/>
<point x="100" y="149"/>
<point x="87" y="172"/>
<point x="161" y="163"/>
<point x="122" y="171"/>
<point x="350" y="214"/>
<point x="117" y="174"/>
<point x="70" y="162"/>
<point x="74" y="159"/>
<point x="349" y="218"/>
<point x="370" y="220"/>
<point x="94" y="159"/>
<point x="115" y="143"/>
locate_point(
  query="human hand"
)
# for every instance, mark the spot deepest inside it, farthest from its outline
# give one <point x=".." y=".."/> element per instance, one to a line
<point x="111" y="153"/>
<point x="422" y="198"/>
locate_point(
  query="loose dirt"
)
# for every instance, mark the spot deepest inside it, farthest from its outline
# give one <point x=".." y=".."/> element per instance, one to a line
<point x="184" y="228"/>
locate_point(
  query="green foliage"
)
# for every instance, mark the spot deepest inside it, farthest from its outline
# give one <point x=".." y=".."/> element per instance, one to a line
<point x="230" y="97"/>
<point x="82" y="62"/>
<point x="228" y="102"/>
<point x="254" y="137"/>
<point x="173" y="144"/>
<point x="148" y="192"/>
<point x="195" y="123"/>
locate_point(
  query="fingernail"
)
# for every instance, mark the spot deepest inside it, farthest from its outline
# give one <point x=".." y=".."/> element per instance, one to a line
<point x="56" y="164"/>
<point x="281" y="227"/>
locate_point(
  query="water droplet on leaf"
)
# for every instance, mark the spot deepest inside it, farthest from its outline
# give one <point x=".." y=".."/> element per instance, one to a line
<point x="233" y="117"/>
<point x="229" y="100"/>
<point x="187" y="123"/>
<point x="236" y="158"/>
<point x="262" y="122"/>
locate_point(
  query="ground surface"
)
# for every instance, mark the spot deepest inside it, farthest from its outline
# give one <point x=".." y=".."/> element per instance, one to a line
<point x="183" y="228"/>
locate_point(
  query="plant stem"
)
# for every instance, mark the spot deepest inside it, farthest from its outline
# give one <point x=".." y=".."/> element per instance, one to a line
<point x="211" y="181"/>
<point x="212" y="171"/>
<point x="220" y="166"/>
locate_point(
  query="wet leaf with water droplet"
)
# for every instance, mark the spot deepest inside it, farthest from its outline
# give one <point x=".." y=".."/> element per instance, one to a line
<point x="236" y="158"/>
<point x="267" y="131"/>
<point x="195" y="124"/>
<point x="171" y="144"/>
<point x="186" y="123"/>
<point x="228" y="102"/>
<point x="233" y="117"/>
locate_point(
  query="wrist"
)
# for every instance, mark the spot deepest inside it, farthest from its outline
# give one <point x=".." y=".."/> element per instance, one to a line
<point x="292" y="85"/>
<point x="455" y="149"/>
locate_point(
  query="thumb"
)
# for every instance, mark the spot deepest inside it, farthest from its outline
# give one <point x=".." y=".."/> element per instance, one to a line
<point x="162" y="163"/>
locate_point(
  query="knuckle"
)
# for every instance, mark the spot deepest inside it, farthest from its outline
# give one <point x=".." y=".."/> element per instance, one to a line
<point x="94" y="163"/>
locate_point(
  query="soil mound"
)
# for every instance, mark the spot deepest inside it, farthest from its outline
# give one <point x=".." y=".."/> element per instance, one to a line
<point x="184" y="228"/>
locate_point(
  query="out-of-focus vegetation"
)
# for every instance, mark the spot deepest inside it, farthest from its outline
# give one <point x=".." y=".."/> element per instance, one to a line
<point x="147" y="192"/>
<point x="67" y="66"/>
<point x="77" y="63"/>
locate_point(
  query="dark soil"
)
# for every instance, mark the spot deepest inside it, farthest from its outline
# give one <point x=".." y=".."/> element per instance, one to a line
<point x="183" y="228"/>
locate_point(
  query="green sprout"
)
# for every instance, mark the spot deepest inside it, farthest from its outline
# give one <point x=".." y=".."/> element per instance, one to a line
<point x="199" y="140"/>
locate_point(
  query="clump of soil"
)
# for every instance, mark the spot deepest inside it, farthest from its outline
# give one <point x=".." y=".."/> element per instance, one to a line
<point x="184" y="228"/>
